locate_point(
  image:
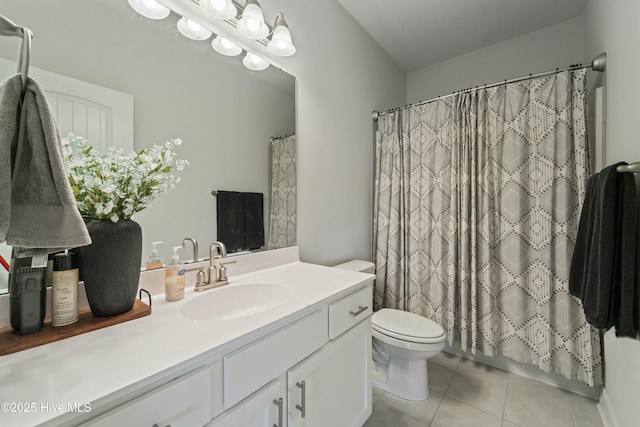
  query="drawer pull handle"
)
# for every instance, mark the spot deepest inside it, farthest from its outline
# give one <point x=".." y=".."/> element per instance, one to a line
<point x="278" y="403"/>
<point x="302" y="408"/>
<point x="361" y="309"/>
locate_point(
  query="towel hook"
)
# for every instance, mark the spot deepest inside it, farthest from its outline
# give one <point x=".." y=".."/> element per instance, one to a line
<point x="8" y="28"/>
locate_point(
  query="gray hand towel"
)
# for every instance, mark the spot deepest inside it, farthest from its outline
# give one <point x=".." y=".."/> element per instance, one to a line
<point x="37" y="207"/>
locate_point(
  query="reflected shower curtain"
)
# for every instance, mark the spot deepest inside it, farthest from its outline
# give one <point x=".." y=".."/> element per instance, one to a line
<point x="282" y="214"/>
<point x="477" y="203"/>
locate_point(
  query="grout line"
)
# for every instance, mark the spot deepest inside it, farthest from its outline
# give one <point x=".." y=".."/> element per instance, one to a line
<point x="436" y="411"/>
<point x="504" y="408"/>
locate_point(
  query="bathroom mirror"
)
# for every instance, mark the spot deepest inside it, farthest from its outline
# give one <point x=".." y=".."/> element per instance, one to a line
<point x="224" y="113"/>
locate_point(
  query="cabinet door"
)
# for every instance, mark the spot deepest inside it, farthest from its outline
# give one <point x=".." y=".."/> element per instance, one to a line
<point x="185" y="401"/>
<point x="266" y="408"/>
<point x="336" y="383"/>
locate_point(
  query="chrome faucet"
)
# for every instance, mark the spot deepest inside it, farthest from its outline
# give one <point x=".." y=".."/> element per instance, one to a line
<point x="219" y="245"/>
<point x="195" y="246"/>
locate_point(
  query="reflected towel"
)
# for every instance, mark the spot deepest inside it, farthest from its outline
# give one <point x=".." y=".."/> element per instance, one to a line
<point x="37" y="207"/>
<point x="240" y="220"/>
<point x="230" y="218"/>
<point x="253" y="231"/>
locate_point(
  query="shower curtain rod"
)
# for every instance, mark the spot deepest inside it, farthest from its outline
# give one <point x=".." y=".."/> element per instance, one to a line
<point x="287" y="135"/>
<point x="599" y="63"/>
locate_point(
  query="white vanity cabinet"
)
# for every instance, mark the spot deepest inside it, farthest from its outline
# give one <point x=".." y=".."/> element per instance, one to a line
<point x="184" y="402"/>
<point x="332" y="387"/>
<point x="266" y="408"/>
<point x="311" y="352"/>
<point x="315" y="380"/>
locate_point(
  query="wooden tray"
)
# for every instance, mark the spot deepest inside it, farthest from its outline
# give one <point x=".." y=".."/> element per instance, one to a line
<point x="11" y="342"/>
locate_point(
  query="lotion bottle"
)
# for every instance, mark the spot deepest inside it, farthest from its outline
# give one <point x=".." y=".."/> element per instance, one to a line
<point x="64" y="289"/>
<point x="174" y="278"/>
<point x="154" y="260"/>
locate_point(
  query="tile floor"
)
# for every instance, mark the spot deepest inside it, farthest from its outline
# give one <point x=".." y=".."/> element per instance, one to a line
<point x="466" y="393"/>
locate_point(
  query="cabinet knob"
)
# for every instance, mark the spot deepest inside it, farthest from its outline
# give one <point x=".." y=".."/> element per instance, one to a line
<point x="278" y="403"/>
<point x="302" y="407"/>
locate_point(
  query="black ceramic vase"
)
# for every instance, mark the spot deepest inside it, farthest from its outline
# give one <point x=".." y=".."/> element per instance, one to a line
<point x="110" y="266"/>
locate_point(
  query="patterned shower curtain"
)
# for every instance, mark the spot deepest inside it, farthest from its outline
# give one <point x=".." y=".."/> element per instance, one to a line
<point x="477" y="203"/>
<point x="282" y="214"/>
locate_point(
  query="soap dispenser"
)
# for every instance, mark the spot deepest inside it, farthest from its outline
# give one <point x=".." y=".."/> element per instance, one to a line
<point x="154" y="260"/>
<point x="174" y="278"/>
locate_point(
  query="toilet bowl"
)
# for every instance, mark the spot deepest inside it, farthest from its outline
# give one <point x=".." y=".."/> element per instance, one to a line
<point x="402" y="343"/>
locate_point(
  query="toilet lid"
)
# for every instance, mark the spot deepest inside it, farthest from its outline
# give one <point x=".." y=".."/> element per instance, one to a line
<point x="406" y="326"/>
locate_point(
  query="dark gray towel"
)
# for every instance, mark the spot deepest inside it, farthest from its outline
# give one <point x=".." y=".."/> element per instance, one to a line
<point x="602" y="271"/>
<point x="626" y="321"/>
<point x="240" y="220"/>
<point x="253" y="231"/>
<point x="230" y="219"/>
<point x="38" y="211"/>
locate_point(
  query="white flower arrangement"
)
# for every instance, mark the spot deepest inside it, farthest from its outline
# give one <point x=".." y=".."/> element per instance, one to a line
<point x="116" y="185"/>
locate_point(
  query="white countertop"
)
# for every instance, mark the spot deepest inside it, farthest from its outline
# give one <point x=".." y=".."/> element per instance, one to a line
<point x="95" y="366"/>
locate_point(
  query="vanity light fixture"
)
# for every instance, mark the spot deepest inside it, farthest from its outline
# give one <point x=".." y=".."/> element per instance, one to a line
<point x="221" y="9"/>
<point x="191" y="29"/>
<point x="150" y="9"/>
<point x="254" y="62"/>
<point x="225" y="47"/>
<point x="251" y="24"/>
<point x="280" y="43"/>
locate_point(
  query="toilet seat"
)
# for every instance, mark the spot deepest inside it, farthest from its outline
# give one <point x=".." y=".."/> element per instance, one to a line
<point x="408" y="327"/>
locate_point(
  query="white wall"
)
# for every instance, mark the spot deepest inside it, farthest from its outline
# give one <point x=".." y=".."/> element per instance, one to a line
<point x="556" y="46"/>
<point x="342" y="76"/>
<point x="612" y="26"/>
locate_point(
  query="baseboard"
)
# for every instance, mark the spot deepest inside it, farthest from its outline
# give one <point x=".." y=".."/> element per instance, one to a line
<point x="607" y="411"/>
<point x="531" y="371"/>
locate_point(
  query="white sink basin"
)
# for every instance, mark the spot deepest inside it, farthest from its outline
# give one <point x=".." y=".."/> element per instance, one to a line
<point x="235" y="301"/>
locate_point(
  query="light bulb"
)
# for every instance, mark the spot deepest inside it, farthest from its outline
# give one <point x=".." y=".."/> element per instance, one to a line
<point x="150" y="9"/>
<point x="194" y="26"/>
<point x="281" y="43"/>
<point x="251" y="24"/>
<point x="218" y="5"/>
<point x="221" y="9"/>
<point x="254" y="62"/>
<point x="192" y="29"/>
<point x="225" y="47"/>
<point x="151" y="4"/>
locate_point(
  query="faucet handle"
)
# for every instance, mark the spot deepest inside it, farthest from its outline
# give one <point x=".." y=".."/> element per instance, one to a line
<point x="200" y="277"/>
<point x="223" y="269"/>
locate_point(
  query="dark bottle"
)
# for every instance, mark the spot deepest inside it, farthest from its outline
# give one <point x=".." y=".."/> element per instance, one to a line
<point x="27" y="296"/>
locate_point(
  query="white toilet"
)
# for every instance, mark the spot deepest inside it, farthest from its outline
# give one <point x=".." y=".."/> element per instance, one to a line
<point x="402" y="343"/>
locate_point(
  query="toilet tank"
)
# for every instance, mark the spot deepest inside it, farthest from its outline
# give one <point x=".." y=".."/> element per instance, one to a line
<point x="358" y="265"/>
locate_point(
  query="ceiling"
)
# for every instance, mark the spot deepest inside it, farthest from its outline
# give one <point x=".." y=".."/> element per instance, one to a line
<point x="417" y="33"/>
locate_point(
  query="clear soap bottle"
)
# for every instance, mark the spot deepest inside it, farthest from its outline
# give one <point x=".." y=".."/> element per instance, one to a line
<point x="174" y="278"/>
<point x="154" y="260"/>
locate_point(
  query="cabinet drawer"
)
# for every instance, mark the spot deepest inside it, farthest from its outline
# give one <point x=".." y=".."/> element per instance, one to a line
<point x="251" y="367"/>
<point x="349" y="311"/>
<point x="185" y="401"/>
